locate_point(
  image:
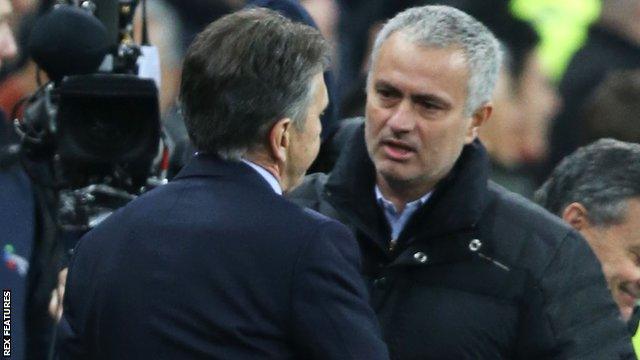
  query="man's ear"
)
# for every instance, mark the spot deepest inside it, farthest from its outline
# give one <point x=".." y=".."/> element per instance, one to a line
<point x="279" y="139"/>
<point x="477" y="119"/>
<point x="576" y="215"/>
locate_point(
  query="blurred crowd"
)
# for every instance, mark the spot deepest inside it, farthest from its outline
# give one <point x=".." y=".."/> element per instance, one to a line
<point x="540" y="115"/>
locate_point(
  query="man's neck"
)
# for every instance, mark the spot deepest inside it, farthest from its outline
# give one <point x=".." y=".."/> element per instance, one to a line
<point x="401" y="193"/>
<point x="264" y="162"/>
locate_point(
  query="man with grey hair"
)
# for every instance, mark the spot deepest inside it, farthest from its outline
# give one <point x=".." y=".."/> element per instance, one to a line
<point x="458" y="267"/>
<point x="596" y="190"/>
<point x="216" y="264"/>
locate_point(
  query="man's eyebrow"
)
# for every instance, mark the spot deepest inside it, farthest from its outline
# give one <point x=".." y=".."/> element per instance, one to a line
<point x="417" y="97"/>
<point x="382" y="84"/>
<point x="430" y="98"/>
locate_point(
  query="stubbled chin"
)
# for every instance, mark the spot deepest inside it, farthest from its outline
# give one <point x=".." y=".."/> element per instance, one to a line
<point x="393" y="171"/>
<point x="386" y="165"/>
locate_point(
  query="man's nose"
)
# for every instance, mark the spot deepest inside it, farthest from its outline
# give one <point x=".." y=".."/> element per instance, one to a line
<point x="402" y="119"/>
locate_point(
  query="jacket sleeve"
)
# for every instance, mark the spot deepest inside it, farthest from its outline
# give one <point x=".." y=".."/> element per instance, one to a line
<point x="331" y="316"/>
<point x="581" y="315"/>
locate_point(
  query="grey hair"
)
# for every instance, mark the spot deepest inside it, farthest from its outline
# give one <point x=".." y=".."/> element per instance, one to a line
<point x="442" y="27"/>
<point x="601" y="176"/>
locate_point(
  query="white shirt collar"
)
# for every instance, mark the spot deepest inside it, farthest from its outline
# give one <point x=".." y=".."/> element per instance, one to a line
<point x="273" y="182"/>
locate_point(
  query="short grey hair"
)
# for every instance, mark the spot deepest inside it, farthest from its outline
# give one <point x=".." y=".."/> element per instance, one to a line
<point x="601" y="176"/>
<point x="443" y="27"/>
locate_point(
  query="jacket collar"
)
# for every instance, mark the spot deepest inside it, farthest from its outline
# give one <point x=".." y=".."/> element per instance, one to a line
<point x="455" y="206"/>
<point x="212" y="166"/>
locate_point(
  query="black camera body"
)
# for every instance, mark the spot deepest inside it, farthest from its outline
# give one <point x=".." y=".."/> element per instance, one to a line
<point x="108" y="119"/>
<point x="96" y="131"/>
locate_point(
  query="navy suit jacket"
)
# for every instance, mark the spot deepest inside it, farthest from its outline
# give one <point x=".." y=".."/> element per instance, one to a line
<point x="216" y="265"/>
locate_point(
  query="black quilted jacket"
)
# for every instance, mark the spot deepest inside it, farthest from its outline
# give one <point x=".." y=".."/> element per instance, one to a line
<point x="477" y="273"/>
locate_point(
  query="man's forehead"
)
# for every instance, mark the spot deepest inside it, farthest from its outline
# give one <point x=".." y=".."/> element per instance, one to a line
<point x="400" y="44"/>
<point x="403" y="63"/>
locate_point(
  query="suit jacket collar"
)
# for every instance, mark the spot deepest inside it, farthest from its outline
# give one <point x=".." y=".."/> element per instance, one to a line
<point x="212" y="166"/>
<point x="456" y="205"/>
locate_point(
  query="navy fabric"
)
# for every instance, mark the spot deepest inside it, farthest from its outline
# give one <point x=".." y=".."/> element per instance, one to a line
<point x="17" y="234"/>
<point x="216" y="265"/>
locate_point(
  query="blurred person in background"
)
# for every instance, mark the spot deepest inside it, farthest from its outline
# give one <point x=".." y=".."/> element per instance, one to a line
<point x="167" y="32"/>
<point x="326" y="15"/>
<point x="539" y="102"/>
<point x="613" y="43"/>
<point x="612" y="111"/>
<point x="8" y="48"/>
<point x="562" y="26"/>
<point x="596" y="190"/>
<point x="501" y="135"/>
<point x="524" y="101"/>
<point x="19" y="79"/>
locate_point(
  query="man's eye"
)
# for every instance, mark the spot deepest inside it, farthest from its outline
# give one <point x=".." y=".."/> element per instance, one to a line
<point x="384" y="93"/>
<point x="429" y="105"/>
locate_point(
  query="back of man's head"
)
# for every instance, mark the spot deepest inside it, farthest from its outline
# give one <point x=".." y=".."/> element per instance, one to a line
<point x="242" y="74"/>
<point x="447" y="27"/>
<point x="601" y="176"/>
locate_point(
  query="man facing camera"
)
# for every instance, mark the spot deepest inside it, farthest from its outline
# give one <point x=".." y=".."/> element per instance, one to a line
<point x="459" y="267"/>
<point x="217" y="264"/>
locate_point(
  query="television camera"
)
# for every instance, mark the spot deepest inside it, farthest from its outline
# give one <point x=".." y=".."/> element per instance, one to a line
<point x="92" y="133"/>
